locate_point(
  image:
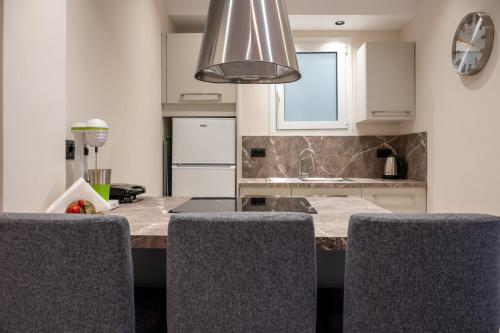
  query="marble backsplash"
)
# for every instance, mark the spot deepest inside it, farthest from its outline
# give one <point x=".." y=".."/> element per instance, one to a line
<point x="333" y="156"/>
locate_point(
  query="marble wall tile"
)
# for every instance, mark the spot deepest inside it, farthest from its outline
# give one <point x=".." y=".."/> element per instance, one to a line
<point x="332" y="156"/>
<point x="413" y="149"/>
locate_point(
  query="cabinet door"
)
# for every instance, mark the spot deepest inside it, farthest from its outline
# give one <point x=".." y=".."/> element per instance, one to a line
<point x="385" y="82"/>
<point x="203" y="141"/>
<point x="203" y="181"/>
<point x="326" y="192"/>
<point x="182" y="87"/>
<point x="398" y="200"/>
<point x="247" y="191"/>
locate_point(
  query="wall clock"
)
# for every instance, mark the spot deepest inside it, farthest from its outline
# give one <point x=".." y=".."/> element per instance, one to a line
<point x="473" y="43"/>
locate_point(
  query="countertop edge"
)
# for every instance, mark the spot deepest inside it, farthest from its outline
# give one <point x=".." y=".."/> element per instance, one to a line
<point x="355" y="183"/>
<point x="336" y="244"/>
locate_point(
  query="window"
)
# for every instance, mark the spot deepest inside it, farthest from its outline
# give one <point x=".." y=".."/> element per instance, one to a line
<point x="314" y="97"/>
<point x="319" y="99"/>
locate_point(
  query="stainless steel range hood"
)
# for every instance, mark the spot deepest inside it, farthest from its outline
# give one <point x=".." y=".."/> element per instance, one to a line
<point x="247" y="41"/>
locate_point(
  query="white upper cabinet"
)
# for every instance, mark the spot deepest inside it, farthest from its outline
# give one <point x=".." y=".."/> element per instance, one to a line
<point x="385" y="82"/>
<point x="182" y="87"/>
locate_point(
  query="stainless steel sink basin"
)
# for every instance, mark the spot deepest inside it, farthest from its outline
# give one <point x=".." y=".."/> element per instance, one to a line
<point x="306" y="180"/>
<point x="282" y="180"/>
<point x="324" y="179"/>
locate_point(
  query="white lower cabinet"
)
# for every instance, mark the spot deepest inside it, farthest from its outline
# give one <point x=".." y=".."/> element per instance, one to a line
<point x="246" y="191"/>
<point x="394" y="199"/>
<point x="326" y="192"/>
<point x="398" y="200"/>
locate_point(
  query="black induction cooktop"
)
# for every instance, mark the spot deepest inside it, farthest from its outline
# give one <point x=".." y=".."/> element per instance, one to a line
<point x="247" y="204"/>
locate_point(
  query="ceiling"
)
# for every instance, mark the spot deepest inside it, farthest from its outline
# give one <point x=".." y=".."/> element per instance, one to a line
<point x="380" y="15"/>
<point x="352" y="22"/>
<point x="195" y="23"/>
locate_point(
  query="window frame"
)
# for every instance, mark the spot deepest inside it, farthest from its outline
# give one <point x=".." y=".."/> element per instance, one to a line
<point x="341" y="46"/>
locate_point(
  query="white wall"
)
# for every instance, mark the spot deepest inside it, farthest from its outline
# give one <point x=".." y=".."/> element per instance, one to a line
<point x="114" y="73"/>
<point x="34" y="77"/>
<point x="1" y="105"/>
<point x="461" y="114"/>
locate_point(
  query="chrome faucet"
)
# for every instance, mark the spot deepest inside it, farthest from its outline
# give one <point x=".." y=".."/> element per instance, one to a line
<point x="302" y="174"/>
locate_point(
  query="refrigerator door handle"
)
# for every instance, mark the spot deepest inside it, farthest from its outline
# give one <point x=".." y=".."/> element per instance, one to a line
<point x="203" y="166"/>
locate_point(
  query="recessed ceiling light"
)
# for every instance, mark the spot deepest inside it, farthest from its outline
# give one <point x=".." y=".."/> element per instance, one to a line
<point x="339" y="22"/>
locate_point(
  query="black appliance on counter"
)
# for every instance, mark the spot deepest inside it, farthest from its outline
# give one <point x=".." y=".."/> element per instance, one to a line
<point x="394" y="168"/>
<point x="246" y="204"/>
<point x="125" y="193"/>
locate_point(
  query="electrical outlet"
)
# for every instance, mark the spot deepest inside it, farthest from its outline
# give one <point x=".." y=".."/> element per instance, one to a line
<point x="257" y="201"/>
<point x="258" y="152"/>
<point x="70" y="150"/>
<point x="384" y="152"/>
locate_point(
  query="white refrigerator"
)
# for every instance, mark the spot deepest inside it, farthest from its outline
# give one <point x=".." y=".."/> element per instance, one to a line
<point x="204" y="157"/>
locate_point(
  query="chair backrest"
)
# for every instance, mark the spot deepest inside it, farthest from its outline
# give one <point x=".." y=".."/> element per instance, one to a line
<point x="422" y="273"/>
<point x="241" y="272"/>
<point x="65" y="273"/>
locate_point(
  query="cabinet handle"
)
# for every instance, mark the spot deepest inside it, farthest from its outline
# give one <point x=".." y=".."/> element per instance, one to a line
<point x="390" y="113"/>
<point x="324" y="195"/>
<point x="201" y="97"/>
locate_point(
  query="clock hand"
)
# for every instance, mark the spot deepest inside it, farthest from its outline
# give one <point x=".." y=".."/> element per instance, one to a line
<point x="464" y="42"/>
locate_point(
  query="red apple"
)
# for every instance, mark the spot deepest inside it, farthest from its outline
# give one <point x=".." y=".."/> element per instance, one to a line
<point x="74" y="209"/>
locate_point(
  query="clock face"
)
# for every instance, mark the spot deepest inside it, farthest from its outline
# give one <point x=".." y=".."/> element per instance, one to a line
<point x="473" y="43"/>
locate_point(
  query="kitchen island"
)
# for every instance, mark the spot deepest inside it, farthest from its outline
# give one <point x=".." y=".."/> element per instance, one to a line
<point x="149" y="217"/>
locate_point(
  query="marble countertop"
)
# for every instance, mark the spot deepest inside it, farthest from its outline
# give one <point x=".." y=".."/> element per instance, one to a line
<point x="352" y="183"/>
<point x="149" y="217"/>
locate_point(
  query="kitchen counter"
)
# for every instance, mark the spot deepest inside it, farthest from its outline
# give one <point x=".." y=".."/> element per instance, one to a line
<point x="149" y="219"/>
<point x="352" y="183"/>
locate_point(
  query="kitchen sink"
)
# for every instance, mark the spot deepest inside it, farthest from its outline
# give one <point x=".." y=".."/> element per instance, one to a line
<point x="324" y="179"/>
<point x="306" y="180"/>
<point x="282" y="180"/>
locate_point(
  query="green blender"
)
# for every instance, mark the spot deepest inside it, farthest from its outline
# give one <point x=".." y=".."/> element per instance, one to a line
<point x="93" y="133"/>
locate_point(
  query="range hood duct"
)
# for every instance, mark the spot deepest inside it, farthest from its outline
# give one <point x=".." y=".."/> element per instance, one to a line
<point x="247" y="41"/>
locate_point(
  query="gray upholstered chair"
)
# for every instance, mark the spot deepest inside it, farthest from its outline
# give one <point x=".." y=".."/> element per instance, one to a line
<point x="65" y="273"/>
<point x="422" y="273"/>
<point x="241" y="272"/>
